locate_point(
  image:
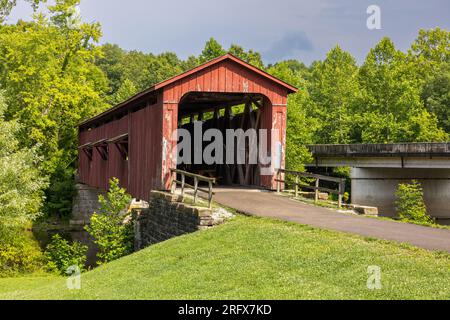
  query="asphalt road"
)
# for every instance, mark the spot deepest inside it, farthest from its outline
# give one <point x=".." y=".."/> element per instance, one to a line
<point x="267" y="204"/>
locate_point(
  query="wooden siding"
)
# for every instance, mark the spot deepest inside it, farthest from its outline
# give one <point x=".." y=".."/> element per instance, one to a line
<point x="142" y="172"/>
<point x="226" y="76"/>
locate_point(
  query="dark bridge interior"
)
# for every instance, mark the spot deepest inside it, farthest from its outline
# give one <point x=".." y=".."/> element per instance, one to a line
<point x="223" y="111"/>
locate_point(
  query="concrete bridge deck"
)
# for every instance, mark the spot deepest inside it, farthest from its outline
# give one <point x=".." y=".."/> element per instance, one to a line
<point x="267" y="204"/>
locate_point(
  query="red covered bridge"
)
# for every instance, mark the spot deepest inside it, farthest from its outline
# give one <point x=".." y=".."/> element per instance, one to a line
<point x="133" y="140"/>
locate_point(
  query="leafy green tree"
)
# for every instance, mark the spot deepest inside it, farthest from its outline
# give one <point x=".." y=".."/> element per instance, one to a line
<point x="190" y="63"/>
<point x="391" y="109"/>
<point x="7" y="5"/>
<point x="430" y="53"/>
<point x="430" y="50"/>
<point x="300" y="131"/>
<point x="250" y="56"/>
<point x="21" y="182"/>
<point x="334" y="88"/>
<point x="297" y="68"/>
<point x="163" y="67"/>
<point x="51" y="84"/>
<point x="290" y="72"/>
<point x="212" y="50"/>
<point x="136" y="66"/>
<point x="126" y="91"/>
<point x="410" y="204"/>
<point x="110" y="62"/>
<point x="141" y="70"/>
<point x="301" y="127"/>
<point x="436" y="95"/>
<point x="113" y="236"/>
<point x="21" y="199"/>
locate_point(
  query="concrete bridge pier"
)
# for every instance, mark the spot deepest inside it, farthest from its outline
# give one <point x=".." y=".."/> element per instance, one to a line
<point x="376" y="187"/>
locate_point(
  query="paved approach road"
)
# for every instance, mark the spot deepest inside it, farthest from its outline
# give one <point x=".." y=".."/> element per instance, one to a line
<point x="267" y="204"/>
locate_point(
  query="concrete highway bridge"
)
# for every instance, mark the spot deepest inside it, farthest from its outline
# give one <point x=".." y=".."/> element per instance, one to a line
<point x="377" y="169"/>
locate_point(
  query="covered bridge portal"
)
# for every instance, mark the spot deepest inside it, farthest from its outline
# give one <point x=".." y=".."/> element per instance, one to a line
<point x="133" y="140"/>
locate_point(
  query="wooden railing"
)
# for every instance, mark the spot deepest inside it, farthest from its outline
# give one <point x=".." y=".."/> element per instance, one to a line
<point x="197" y="178"/>
<point x="298" y="184"/>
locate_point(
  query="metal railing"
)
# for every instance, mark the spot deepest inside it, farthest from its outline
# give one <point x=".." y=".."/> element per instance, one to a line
<point x="298" y="184"/>
<point x="197" y="178"/>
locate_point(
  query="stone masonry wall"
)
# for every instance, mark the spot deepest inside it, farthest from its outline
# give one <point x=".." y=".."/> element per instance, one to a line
<point x="85" y="203"/>
<point x="168" y="217"/>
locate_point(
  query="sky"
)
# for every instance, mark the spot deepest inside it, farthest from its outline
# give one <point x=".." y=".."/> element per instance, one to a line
<point x="278" y="29"/>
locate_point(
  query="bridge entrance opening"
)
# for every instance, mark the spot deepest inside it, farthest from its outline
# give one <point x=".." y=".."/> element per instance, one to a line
<point x="219" y="136"/>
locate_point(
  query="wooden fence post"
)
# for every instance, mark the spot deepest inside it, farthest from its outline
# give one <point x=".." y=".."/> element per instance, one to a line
<point x="195" y="189"/>
<point x="278" y="181"/>
<point x="316" y="191"/>
<point x="296" y="186"/>
<point x="210" y="194"/>
<point x="183" y="182"/>
<point x="174" y="183"/>
<point x="341" y="192"/>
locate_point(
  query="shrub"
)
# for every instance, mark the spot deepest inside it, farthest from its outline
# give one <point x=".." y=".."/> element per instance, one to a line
<point x="410" y="204"/>
<point x="60" y="255"/>
<point x="113" y="236"/>
<point x="346" y="197"/>
<point x="19" y="253"/>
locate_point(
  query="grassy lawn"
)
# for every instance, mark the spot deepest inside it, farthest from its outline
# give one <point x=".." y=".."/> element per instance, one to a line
<point x="254" y="258"/>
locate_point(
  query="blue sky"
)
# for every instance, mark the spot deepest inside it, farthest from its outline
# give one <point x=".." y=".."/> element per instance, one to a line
<point x="279" y="29"/>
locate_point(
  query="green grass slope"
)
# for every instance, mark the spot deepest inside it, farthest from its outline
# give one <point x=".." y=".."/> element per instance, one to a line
<point x="253" y="258"/>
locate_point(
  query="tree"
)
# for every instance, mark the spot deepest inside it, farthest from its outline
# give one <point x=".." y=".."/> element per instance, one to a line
<point x="109" y="61"/>
<point x="430" y="54"/>
<point x="252" y="57"/>
<point x="126" y="91"/>
<point x="295" y="66"/>
<point x="391" y="109"/>
<point x="436" y="95"/>
<point x="430" y="50"/>
<point x="139" y="69"/>
<point x="190" y="63"/>
<point x="21" y="182"/>
<point x="7" y="5"/>
<point x="300" y="131"/>
<point x="292" y="73"/>
<point x="211" y="51"/>
<point x="51" y="84"/>
<point x="163" y="67"/>
<point x="334" y="89"/>
<point x="301" y="127"/>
